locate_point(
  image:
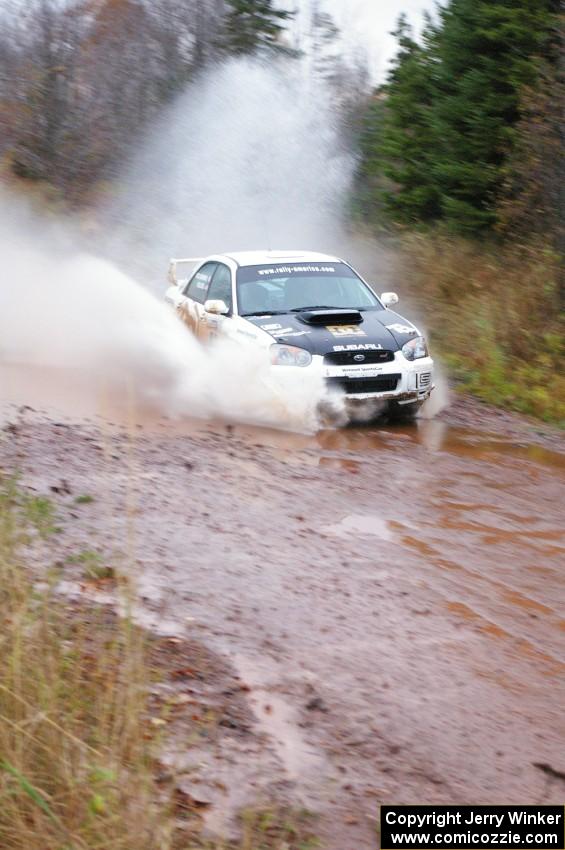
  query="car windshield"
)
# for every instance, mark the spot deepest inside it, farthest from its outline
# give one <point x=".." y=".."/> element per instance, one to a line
<point x="271" y="289"/>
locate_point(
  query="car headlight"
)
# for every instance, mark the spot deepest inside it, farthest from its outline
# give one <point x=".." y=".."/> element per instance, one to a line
<point x="415" y="348"/>
<point x="289" y="355"/>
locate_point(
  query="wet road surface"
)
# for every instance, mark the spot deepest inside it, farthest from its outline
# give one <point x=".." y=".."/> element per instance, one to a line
<point x="393" y="598"/>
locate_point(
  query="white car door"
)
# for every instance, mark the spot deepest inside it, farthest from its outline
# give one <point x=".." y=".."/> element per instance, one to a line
<point x="190" y="304"/>
<point x="220" y="290"/>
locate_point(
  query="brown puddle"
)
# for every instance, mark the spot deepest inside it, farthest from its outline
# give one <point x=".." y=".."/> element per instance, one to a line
<point x="280" y="721"/>
<point x="434" y="436"/>
<point x="70" y="394"/>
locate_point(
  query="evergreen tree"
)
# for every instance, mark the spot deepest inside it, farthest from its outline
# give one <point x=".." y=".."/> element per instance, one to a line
<point x="368" y="195"/>
<point x="325" y="46"/>
<point x="534" y="198"/>
<point x="453" y="107"/>
<point x="406" y="142"/>
<point x="253" y="25"/>
<point x="486" y="53"/>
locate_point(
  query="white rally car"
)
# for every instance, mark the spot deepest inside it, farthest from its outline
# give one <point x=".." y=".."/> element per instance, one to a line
<point x="309" y="312"/>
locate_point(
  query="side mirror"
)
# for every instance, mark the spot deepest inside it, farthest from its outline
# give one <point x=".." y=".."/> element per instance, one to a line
<point x="389" y="298"/>
<point x="217" y="307"/>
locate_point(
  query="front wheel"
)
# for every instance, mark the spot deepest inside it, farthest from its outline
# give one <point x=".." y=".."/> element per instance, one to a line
<point x="404" y="412"/>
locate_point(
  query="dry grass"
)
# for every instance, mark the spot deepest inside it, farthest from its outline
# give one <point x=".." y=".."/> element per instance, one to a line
<point x="493" y="316"/>
<point x="75" y="764"/>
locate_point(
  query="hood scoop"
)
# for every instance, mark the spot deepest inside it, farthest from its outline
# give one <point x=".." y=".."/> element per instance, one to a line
<point x="333" y="316"/>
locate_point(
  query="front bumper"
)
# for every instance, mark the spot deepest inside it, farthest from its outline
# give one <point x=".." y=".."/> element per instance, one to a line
<point x="403" y="381"/>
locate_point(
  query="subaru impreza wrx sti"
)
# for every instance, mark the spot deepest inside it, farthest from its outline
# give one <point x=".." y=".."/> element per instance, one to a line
<point x="310" y="312"/>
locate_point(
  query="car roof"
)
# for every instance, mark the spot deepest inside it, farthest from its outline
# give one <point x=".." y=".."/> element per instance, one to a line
<point x="260" y="258"/>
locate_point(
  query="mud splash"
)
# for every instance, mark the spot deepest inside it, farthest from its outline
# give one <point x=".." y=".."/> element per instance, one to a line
<point x="77" y="331"/>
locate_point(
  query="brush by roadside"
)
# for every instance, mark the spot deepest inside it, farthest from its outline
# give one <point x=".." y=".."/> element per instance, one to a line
<point x="494" y="318"/>
<point x="75" y="762"/>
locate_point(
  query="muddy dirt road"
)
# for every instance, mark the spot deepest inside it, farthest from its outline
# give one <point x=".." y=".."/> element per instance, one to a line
<point x="392" y="599"/>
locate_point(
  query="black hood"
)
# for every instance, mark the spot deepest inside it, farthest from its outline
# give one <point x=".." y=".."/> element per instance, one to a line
<point x="383" y="328"/>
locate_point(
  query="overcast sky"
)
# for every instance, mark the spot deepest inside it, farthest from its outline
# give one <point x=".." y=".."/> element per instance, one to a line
<point x="370" y="22"/>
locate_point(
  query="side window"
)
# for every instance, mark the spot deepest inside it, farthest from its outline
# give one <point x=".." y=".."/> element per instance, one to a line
<point x="197" y="287"/>
<point x="220" y="288"/>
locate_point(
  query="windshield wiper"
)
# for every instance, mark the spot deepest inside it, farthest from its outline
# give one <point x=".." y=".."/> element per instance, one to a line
<point x="317" y="307"/>
<point x="265" y="313"/>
